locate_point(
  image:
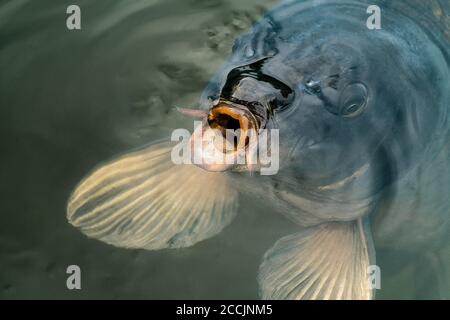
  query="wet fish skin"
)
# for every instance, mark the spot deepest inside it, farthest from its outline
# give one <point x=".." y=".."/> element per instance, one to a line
<point x="386" y="160"/>
<point x="399" y="69"/>
<point x="364" y="131"/>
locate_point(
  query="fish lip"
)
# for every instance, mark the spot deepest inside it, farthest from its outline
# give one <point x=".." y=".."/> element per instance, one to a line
<point x="247" y="122"/>
<point x="239" y="112"/>
<point x="239" y="109"/>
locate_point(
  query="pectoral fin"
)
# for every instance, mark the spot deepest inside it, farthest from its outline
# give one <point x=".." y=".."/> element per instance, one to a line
<point x="143" y="200"/>
<point x="329" y="261"/>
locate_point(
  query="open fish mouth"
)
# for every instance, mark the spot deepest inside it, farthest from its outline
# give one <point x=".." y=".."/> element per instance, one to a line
<point x="233" y="121"/>
<point x="226" y="138"/>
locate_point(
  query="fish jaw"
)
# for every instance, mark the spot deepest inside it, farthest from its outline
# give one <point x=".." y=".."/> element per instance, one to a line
<point x="226" y="139"/>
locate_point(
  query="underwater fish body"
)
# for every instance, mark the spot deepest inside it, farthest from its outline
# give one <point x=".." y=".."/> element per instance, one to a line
<point x="363" y="144"/>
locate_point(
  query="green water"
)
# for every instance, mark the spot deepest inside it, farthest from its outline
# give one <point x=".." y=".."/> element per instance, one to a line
<point x="71" y="99"/>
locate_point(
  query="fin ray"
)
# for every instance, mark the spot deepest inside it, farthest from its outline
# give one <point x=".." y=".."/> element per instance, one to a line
<point x="328" y="261"/>
<point x="143" y="200"/>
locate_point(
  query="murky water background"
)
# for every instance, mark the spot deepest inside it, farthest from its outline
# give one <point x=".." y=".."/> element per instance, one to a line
<point x="71" y="99"/>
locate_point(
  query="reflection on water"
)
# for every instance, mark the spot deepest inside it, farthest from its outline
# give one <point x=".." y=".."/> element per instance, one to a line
<point x="71" y="99"/>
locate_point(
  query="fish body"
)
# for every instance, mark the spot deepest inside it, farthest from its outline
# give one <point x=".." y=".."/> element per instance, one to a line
<point x="395" y="76"/>
<point x="363" y="126"/>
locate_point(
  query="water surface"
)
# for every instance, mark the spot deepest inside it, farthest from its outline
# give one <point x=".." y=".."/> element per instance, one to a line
<point x="71" y="99"/>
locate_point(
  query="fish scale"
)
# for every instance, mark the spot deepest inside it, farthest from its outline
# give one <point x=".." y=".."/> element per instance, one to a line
<point x="363" y="126"/>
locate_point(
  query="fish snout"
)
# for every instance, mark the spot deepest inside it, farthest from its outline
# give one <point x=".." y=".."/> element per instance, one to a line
<point x="225" y="137"/>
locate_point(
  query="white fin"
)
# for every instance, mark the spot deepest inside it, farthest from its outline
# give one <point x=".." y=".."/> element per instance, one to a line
<point x="329" y="261"/>
<point x="143" y="200"/>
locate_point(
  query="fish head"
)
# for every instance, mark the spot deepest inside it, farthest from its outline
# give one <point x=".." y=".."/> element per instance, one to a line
<point x="321" y="125"/>
<point x="341" y="100"/>
<point x="228" y="138"/>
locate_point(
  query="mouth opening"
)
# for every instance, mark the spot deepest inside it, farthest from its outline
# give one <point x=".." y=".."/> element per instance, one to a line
<point x="223" y="120"/>
<point x="234" y="123"/>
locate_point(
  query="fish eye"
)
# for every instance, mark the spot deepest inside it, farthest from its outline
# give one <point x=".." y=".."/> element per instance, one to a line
<point x="353" y="100"/>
